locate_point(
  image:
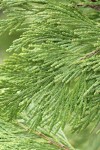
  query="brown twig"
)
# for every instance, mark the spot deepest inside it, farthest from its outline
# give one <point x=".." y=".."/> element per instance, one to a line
<point x="96" y="7"/>
<point x="88" y="55"/>
<point x="49" y="140"/>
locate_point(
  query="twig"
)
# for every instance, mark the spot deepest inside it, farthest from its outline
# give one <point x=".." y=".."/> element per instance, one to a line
<point x="96" y="7"/>
<point x="90" y="54"/>
<point x="49" y="140"/>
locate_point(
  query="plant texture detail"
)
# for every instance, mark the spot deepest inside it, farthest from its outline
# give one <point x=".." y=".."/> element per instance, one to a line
<point x="52" y="76"/>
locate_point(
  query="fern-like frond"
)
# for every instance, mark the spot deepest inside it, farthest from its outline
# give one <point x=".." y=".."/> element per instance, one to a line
<point x="54" y="72"/>
<point x="17" y="135"/>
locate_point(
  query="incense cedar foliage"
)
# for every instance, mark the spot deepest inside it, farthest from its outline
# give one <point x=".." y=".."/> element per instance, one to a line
<point x="53" y="74"/>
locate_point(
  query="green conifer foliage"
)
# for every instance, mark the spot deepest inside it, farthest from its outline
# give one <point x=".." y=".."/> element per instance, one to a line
<point x="53" y="74"/>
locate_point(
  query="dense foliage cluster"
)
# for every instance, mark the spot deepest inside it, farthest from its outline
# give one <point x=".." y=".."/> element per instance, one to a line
<point x="53" y="74"/>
